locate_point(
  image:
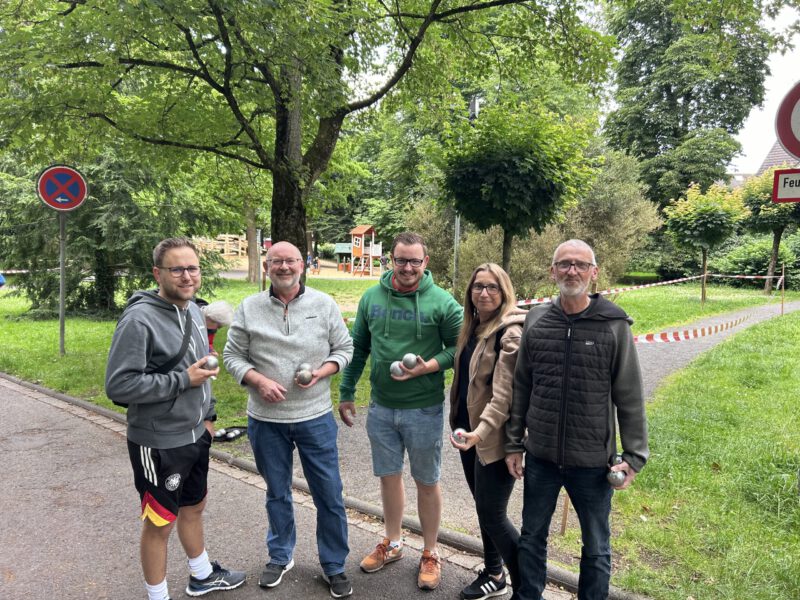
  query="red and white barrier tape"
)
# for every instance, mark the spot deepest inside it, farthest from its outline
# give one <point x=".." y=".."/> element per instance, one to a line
<point x="613" y="290"/>
<point x="686" y="334"/>
<point x="744" y="276"/>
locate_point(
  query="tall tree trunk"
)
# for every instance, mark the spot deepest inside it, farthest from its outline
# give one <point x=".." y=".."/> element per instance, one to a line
<point x="508" y="238"/>
<point x="104" y="282"/>
<point x="777" y="234"/>
<point x="289" y="190"/>
<point x="705" y="273"/>
<point x="253" y="251"/>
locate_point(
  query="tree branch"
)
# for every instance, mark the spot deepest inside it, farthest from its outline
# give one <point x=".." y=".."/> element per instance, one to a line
<point x="184" y="145"/>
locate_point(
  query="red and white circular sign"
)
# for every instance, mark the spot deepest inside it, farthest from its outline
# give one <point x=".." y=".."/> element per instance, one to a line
<point x="787" y="122"/>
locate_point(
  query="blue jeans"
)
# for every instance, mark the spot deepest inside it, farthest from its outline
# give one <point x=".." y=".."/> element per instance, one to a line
<point x="590" y="494"/>
<point x="273" y="445"/>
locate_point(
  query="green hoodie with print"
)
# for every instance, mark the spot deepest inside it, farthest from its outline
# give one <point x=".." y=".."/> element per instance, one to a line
<point x="389" y="324"/>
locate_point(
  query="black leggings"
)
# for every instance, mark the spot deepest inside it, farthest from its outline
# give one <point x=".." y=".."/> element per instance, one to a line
<point x="491" y="487"/>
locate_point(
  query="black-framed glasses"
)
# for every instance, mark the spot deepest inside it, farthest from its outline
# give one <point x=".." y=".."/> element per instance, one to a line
<point x="289" y="262"/>
<point x="491" y="289"/>
<point x="192" y="270"/>
<point x="402" y="262"/>
<point x="564" y="265"/>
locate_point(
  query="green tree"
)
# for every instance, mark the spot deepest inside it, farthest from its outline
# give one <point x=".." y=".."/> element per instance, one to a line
<point x="110" y="238"/>
<point x="268" y="84"/>
<point x="767" y="216"/>
<point x="689" y="75"/>
<point x="517" y="169"/>
<point x="613" y="215"/>
<point x="704" y="220"/>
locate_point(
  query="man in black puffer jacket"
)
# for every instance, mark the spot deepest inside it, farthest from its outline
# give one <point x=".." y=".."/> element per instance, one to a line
<point x="577" y="375"/>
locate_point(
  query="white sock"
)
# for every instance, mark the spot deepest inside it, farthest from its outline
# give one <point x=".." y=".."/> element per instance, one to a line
<point x="395" y="543"/>
<point x="200" y="566"/>
<point x="157" y="591"/>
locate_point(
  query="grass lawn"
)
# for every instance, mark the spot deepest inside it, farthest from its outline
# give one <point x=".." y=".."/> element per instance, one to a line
<point x="716" y="513"/>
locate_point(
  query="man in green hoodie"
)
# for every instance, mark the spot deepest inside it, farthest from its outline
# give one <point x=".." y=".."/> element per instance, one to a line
<point x="406" y="313"/>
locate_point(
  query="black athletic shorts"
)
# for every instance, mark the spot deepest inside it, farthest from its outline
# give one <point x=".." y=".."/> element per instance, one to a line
<point x="171" y="478"/>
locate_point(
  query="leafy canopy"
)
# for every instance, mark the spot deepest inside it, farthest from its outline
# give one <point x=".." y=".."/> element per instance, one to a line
<point x="705" y="220"/>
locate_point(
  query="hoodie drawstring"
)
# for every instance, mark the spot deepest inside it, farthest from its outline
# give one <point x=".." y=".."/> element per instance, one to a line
<point x="419" y="320"/>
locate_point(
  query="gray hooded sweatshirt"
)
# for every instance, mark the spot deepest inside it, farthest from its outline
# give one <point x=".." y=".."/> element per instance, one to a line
<point x="163" y="410"/>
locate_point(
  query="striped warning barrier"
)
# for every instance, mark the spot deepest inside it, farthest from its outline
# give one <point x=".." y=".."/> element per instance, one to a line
<point x="543" y="300"/>
<point x="745" y="276"/>
<point x="686" y="334"/>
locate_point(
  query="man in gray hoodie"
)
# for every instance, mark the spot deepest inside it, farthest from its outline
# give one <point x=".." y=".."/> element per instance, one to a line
<point x="272" y="334"/>
<point x="170" y="415"/>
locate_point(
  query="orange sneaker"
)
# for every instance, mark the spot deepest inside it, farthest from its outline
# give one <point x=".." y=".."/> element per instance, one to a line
<point x="430" y="571"/>
<point x="382" y="555"/>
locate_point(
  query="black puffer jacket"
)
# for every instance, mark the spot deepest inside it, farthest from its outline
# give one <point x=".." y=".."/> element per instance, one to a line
<point x="573" y="373"/>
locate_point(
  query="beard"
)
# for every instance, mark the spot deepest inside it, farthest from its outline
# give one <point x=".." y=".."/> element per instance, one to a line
<point x="573" y="288"/>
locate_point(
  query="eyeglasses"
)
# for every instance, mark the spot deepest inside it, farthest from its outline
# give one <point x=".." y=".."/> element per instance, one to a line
<point x="289" y="262"/>
<point x="564" y="265"/>
<point x="402" y="262"/>
<point x="491" y="289"/>
<point x="192" y="270"/>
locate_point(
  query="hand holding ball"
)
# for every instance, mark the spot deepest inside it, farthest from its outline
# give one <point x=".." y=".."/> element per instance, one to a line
<point x="458" y="435"/>
<point x="211" y="362"/>
<point x="616" y="478"/>
<point x="304" y="374"/>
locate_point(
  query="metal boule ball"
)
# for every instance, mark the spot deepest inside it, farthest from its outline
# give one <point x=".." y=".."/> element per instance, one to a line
<point x="211" y="362"/>
<point x="304" y="376"/>
<point x="232" y="434"/>
<point x="395" y="369"/>
<point x="459" y="435"/>
<point x="304" y="367"/>
<point x="615" y="478"/>
<point x="410" y="360"/>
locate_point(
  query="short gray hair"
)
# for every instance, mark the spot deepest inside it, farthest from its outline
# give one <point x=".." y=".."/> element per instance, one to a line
<point x="576" y="244"/>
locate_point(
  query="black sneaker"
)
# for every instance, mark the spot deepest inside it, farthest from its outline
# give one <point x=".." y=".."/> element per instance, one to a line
<point x="220" y="579"/>
<point x="485" y="586"/>
<point x="272" y="574"/>
<point x="339" y="584"/>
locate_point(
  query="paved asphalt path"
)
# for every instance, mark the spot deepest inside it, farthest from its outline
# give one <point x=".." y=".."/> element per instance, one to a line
<point x="70" y="526"/>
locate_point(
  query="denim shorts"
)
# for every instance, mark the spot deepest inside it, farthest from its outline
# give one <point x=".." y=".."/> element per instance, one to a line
<point x="392" y="431"/>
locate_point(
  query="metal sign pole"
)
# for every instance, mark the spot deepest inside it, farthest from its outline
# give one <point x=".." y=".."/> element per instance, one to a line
<point x="783" y="286"/>
<point x="62" y="286"/>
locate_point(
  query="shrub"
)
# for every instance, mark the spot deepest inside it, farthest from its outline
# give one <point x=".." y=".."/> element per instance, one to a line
<point x="751" y="257"/>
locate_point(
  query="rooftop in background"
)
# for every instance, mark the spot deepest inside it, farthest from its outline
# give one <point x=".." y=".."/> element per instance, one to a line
<point x="777" y="157"/>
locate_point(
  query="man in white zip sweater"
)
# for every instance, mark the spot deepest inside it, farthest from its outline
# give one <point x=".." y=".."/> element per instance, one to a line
<point x="272" y="334"/>
<point x="170" y="417"/>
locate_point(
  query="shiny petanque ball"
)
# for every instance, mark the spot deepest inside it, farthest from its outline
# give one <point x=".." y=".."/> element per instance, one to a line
<point x="458" y="435"/>
<point x="395" y="369"/>
<point x="211" y="363"/>
<point x="410" y="360"/>
<point x="304" y="367"/>
<point x="615" y="478"/>
<point x="304" y="376"/>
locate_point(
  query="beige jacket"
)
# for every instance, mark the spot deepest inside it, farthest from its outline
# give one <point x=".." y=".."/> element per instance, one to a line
<point x="488" y="404"/>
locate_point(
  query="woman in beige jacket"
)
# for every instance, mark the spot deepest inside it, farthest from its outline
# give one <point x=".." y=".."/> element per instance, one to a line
<point x="480" y="399"/>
